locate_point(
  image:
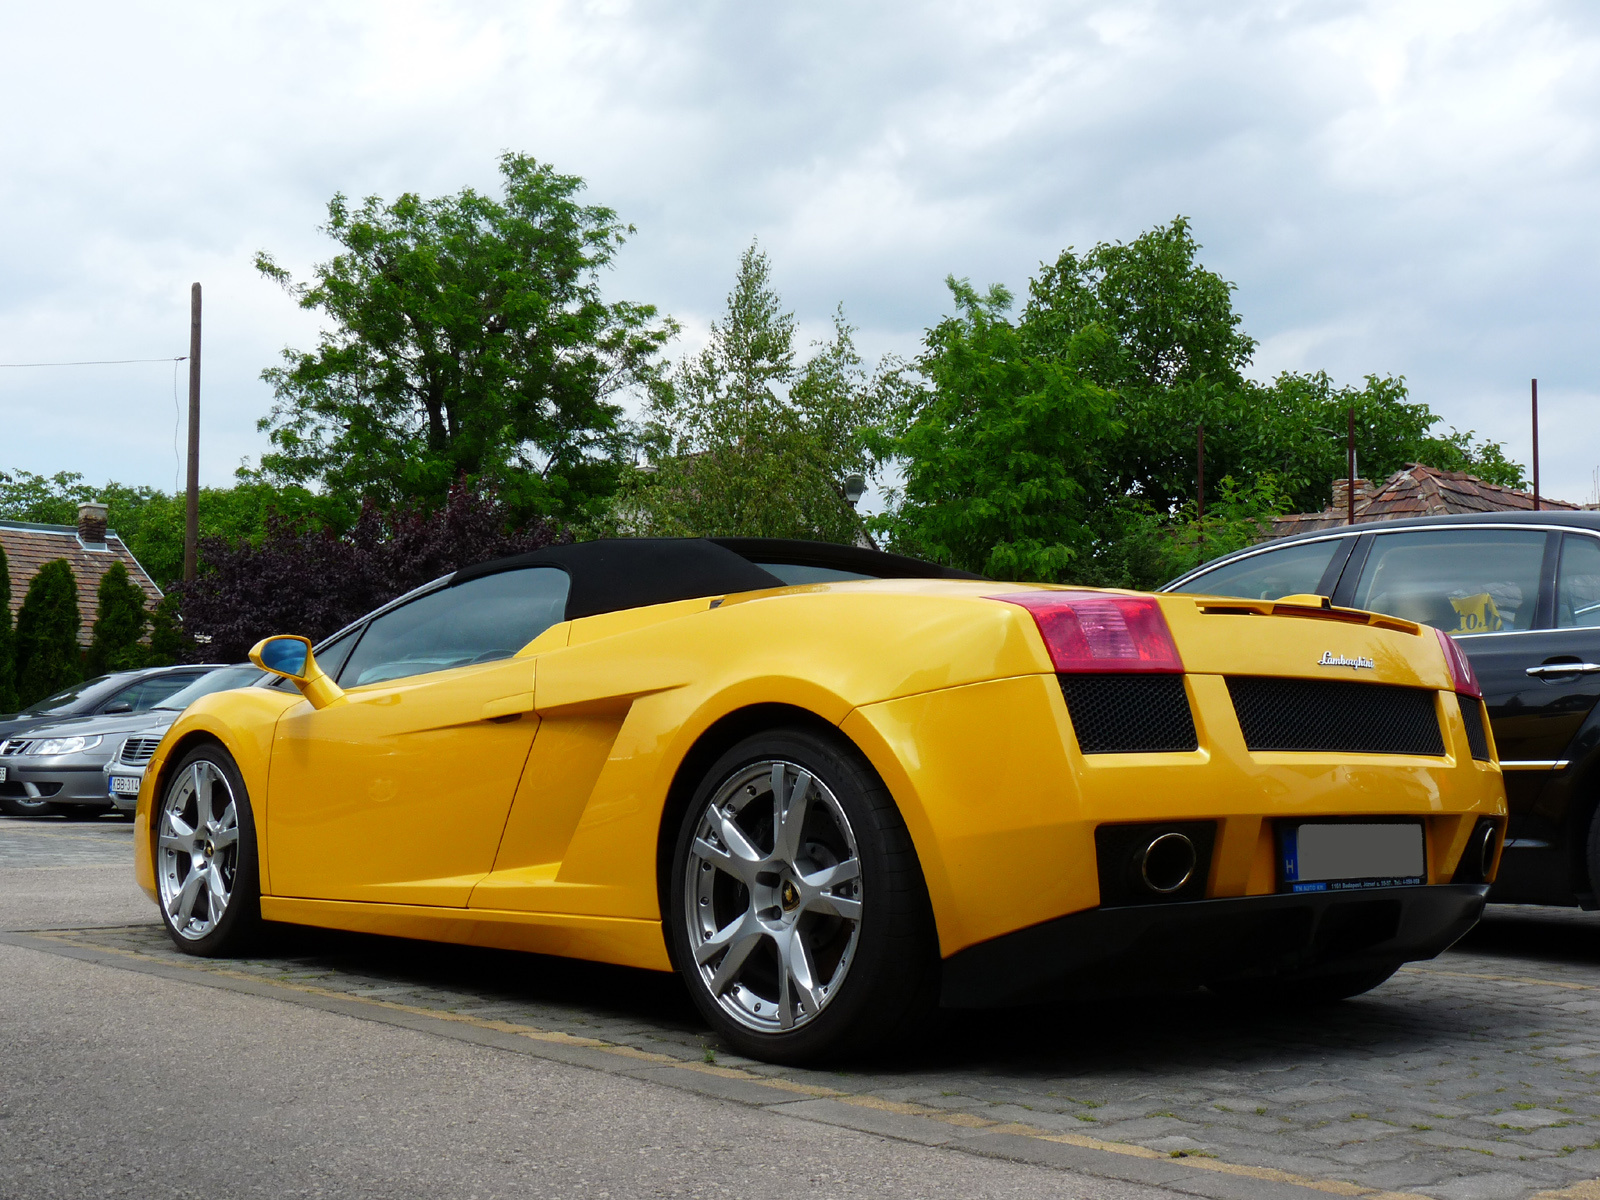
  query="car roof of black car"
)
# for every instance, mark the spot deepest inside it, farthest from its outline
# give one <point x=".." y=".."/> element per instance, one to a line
<point x="1557" y="517"/>
<point x="620" y="573"/>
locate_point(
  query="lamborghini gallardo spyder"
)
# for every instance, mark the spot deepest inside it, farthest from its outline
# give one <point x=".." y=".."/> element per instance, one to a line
<point x="834" y="788"/>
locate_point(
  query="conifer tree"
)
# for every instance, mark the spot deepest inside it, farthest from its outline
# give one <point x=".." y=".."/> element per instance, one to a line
<point x="120" y="624"/>
<point x="8" y="643"/>
<point x="47" y="634"/>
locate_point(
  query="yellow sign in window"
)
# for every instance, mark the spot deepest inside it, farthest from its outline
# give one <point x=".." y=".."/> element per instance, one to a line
<point x="1477" y="614"/>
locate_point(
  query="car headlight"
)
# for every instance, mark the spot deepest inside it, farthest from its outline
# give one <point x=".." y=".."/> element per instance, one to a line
<point x="66" y="745"/>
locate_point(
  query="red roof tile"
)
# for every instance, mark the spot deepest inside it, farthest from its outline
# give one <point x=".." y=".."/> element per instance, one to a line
<point x="1419" y="491"/>
<point x="28" y="547"/>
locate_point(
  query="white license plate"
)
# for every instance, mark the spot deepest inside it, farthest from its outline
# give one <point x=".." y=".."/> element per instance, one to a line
<point x="1350" y="855"/>
<point x="124" y="785"/>
<point x="2" y="774"/>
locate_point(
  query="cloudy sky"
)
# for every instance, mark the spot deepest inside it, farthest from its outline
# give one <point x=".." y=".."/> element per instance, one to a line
<point x="1395" y="187"/>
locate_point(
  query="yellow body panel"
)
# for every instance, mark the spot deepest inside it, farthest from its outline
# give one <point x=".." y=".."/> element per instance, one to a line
<point x="520" y="803"/>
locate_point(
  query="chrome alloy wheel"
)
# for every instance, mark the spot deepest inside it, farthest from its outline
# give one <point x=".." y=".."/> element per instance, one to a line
<point x="772" y="896"/>
<point x="197" y="850"/>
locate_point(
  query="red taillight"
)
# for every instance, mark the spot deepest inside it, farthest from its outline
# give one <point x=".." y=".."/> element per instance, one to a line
<point x="1092" y="631"/>
<point x="1466" y="679"/>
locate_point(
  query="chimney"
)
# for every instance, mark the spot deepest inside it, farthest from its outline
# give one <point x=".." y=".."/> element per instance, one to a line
<point x="92" y="526"/>
<point x="1341" y="491"/>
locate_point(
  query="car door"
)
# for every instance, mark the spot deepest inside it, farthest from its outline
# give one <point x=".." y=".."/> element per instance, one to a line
<point x="1485" y="587"/>
<point x="398" y="792"/>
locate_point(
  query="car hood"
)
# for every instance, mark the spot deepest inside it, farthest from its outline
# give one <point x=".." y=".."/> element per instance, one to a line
<point x="104" y="725"/>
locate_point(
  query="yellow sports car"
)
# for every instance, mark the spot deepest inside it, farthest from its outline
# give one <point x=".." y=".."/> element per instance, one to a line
<point x="833" y="787"/>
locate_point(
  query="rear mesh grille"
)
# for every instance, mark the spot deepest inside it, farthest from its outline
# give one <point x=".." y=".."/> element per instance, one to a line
<point x="1472" y="718"/>
<point x="1335" y="715"/>
<point x="1129" y="714"/>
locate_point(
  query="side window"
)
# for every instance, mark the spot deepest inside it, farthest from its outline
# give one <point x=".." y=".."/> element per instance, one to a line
<point x="483" y="619"/>
<point x="1291" y="571"/>
<point x="1461" y="581"/>
<point x="1578" y="582"/>
<point x="148" y="693"/>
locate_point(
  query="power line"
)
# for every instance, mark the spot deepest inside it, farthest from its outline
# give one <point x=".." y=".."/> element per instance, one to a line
<point x="99" y="362"/>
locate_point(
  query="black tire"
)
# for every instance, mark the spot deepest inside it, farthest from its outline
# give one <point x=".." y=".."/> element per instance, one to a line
<point x="882" y="983"/>
<point x="239" y="923"/>
<point x="14" y="806"/>
<point x="1305" y="991"/>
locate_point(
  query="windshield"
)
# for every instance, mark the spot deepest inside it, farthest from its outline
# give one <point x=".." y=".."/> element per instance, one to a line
<point x="221" y="680"/>
<point x="66" y="700"/>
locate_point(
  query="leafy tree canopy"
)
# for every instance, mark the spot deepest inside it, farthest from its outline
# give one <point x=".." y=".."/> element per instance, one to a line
<point x="1060" y="445"/>
<point x="467" y="337"/>
<point x="47" y="633"/>
<point x="745" y="440"/>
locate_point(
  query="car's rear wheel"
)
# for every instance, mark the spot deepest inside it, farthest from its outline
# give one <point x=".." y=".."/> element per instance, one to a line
<point x="207" y="875"/>
<point x="27" y="806"/>
<point x="798" y="913"/>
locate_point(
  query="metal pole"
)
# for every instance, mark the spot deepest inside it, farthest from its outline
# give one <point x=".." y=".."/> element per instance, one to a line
<point x="191" y="524"/>
<point x="1200" y="491"/>
<point x="1350" y="462"/>
<point x="1537" y="505"/>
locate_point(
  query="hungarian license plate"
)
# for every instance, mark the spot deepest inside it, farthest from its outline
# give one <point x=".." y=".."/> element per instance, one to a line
<point x="2" y="774"/>
<point x="124" y="785"/>
<point x="1350" y="855"/>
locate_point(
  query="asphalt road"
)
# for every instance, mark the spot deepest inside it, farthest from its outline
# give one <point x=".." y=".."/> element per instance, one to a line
<point x="119" y="1083"/>
<point x="346" y="1065"/>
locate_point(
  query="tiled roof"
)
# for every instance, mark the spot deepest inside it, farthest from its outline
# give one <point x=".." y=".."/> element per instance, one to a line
<point x="28" y="547"/>
<point x="1419" y="491"/>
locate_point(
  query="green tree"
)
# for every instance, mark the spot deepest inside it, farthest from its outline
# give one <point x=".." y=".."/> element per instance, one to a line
<point x="1061" y="446"/>
<point x="1000" y="448"/>
<point x="468" y="339"/>
<point x="168" y="644"/>
<point x="8" y="641"/>
<point x="48" y="657"/>
<point x="745" y="440"/>
<point x="119" y="625"/>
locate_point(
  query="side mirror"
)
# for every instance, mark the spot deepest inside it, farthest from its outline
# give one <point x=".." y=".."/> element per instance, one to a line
<point x="120" y="706"/>
<point x="290" y="656"/>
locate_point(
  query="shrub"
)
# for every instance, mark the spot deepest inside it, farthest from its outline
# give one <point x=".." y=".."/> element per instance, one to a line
<point x="8" y="642"/>
<point x="119" y="625"/>
<point x="48" y="657"/>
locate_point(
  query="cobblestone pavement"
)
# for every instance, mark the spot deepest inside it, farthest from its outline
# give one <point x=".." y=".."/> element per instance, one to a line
<point x="1471" y="1077"/>
<point x="52" y="842"/>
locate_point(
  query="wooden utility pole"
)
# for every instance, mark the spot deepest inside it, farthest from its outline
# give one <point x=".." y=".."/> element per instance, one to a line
<point x="191" y="523"/>
<point x="1200" y="491"/>
<point x="1350" y="463"/>
<point x="1537" y="504"/>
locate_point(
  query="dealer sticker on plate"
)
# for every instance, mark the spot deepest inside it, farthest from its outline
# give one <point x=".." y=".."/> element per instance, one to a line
<point x="1346" y="855"/>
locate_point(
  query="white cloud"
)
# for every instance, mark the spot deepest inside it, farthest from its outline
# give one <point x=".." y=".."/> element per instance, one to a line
<point x="1395" y="188"/>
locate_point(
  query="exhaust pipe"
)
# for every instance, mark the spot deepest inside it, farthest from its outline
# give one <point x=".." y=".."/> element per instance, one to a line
<point x="1167" y="862"/>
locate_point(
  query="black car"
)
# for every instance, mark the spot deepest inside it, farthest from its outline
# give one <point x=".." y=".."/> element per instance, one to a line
<point x="1520" y="591"/>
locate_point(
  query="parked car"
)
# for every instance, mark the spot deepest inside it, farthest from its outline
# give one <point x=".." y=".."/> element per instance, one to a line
<point x="60" y="767"/>
<point x="1520" y="594"/>
<point x="122" y="692"/>
<point x="832" y="786"/>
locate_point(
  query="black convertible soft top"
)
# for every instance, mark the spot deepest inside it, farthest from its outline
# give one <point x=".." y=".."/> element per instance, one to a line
<point x="620" y="573"/>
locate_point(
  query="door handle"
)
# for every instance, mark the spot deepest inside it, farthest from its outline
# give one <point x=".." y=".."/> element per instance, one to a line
<point x="1578" y="668"/>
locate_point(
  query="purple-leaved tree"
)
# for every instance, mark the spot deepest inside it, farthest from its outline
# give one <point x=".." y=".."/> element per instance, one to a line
<point x="314" y="582"/>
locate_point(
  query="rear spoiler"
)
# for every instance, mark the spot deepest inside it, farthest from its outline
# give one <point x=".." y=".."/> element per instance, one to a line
<point x="1316" y="607"/>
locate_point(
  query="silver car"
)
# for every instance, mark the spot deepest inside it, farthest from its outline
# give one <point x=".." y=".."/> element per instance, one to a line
<point x="64" y="767"/>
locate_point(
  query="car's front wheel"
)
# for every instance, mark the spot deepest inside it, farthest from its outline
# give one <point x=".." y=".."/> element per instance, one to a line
<point x="207" y="875"/>
<point x="798" y="913"/>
